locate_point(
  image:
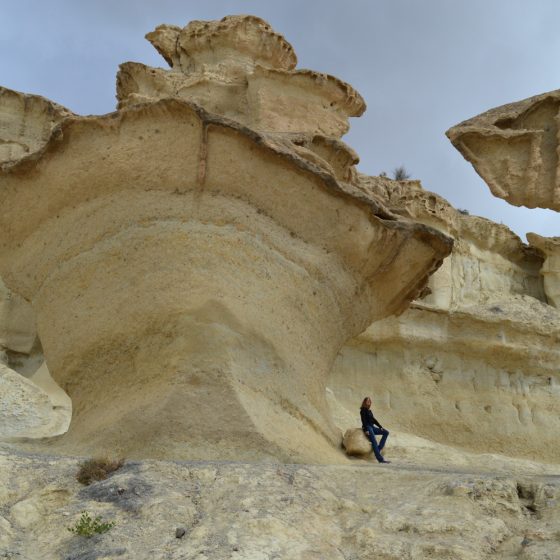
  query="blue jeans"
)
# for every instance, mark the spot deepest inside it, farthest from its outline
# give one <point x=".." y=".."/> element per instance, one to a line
<point x="371" y="432"/>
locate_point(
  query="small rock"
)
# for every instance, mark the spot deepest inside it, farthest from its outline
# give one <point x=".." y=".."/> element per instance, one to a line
<point x="180" y="532"/>
<point x="356" y="442"/>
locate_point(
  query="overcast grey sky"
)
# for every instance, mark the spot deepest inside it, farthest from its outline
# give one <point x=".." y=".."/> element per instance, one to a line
<point x="421" y="65"/>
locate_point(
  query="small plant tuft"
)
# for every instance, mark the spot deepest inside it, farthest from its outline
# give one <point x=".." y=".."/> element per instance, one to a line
<point x="463" y="211"/>
<point x="97" y="468"/>
<point x="88" y="526"/>
<point x="400" y="173"/>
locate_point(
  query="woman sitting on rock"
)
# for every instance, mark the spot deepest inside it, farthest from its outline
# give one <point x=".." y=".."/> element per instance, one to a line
<point x="369" y="426"/>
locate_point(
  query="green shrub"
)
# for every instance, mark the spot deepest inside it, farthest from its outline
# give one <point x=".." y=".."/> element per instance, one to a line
<point x="400" y="173"/>
<point x="87" y="526"/>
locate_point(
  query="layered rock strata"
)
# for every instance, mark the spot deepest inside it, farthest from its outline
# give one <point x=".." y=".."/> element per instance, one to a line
<point x="193" y="277"/>
<point x="474" y="362"/>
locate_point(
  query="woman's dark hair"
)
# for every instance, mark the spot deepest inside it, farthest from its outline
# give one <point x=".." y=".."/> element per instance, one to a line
<point x="364" y="402"/>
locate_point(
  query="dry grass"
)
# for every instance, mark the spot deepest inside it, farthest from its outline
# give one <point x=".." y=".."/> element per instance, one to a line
<point x="97" y="468"/>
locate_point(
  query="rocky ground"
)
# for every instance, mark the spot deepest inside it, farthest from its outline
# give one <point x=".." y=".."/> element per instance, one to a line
<point x="430" y="502"/>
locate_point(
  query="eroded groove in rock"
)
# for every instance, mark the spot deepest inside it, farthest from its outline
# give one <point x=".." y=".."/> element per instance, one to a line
<point x="550" y="248"/>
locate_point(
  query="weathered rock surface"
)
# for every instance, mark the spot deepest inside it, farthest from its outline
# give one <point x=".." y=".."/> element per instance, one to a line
<point x="550" y="248"/>
<point x="180" y="262"/>
<point x="249" y="511"/>
<point x="514" y="148"/>
<point x="474" y="363"/>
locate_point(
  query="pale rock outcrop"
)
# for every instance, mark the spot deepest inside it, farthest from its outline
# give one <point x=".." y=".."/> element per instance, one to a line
<point x="26" y="411"/>
<point x="474" y="362"/>
<point x="550" y="248"/>
<point x="514" y="148"/>
<point x="193" y="278"/>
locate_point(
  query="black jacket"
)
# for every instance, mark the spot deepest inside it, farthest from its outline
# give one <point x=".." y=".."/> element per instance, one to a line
<point x="368" y="419"/>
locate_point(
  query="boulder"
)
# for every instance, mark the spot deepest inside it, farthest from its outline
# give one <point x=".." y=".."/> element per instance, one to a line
<point x="355" y="442"/>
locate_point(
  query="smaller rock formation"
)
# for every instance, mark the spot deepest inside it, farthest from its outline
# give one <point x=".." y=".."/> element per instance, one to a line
<point x="514" y="148"/>
<point x="26" y="123"/>
<point x="550" y="248"/>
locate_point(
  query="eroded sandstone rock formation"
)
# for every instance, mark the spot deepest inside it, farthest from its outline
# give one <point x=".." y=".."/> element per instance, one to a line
<point x="514" y="148"/>
<point x="195" y="273"/>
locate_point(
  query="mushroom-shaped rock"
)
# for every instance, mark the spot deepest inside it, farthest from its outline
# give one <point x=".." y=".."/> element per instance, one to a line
<point x="193" y="282"/>
<point x="550" y="248"/>
<point x="514" y="148"/>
